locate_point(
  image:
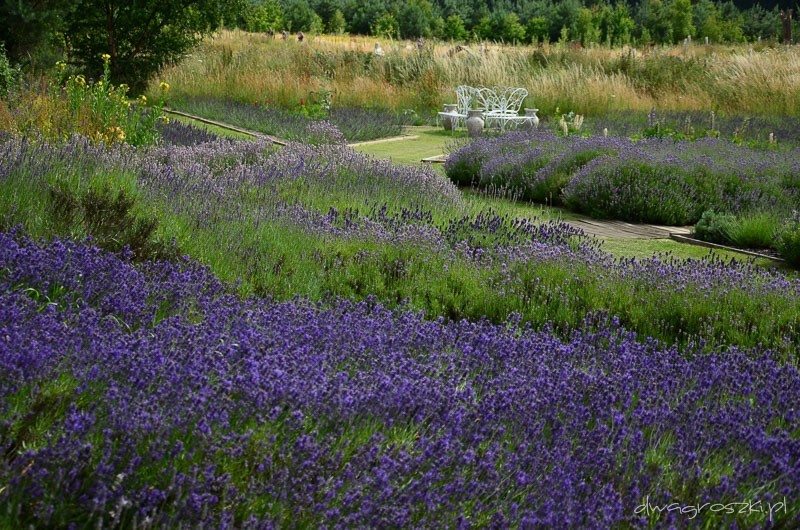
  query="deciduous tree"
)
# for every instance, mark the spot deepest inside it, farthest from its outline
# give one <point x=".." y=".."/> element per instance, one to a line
<point x="141" y="36"/>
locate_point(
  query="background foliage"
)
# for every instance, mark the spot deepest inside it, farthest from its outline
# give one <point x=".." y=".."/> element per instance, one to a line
<point x="142" y="37"/>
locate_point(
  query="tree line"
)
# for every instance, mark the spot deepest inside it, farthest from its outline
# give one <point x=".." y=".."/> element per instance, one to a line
<point x="585" y="22"/>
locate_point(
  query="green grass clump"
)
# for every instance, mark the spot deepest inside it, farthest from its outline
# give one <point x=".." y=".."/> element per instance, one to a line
<point x="754" y="230"/>
<point x="787" y="241"/>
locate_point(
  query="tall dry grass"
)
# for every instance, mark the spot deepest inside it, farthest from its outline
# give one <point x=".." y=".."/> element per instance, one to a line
<point x="252" y="68"/>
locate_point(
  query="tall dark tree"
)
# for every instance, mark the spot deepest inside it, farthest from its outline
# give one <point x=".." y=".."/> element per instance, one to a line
<point x="326" y="9"/>
<point x="29" y="27"/>
<point x="141" y="36"/>
<point x="363" y="14"/>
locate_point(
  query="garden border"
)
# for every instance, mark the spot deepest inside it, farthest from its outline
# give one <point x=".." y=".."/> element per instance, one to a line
<point x="227" y="126"/>
<point x="700" y="243"/>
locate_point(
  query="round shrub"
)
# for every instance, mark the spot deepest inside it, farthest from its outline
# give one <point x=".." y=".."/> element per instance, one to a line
<point x="634" y="188"/>
<point x="714" y="227"/>
<point x="463" y="166"/>
<point x="787" y="242"/>
<point x="546" y="184"/>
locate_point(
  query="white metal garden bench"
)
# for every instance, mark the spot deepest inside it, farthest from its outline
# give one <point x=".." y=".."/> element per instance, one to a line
<point x="500" y="106"/>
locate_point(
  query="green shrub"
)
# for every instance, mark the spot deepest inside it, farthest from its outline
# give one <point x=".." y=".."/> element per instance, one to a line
<point x="97" y="110"/>
<point x="8" y="74"/>
<point x="714" y="227"/>
<point x="787" y="241"/>
<point x="104" y="112"/>
<point x="109" y="217"/>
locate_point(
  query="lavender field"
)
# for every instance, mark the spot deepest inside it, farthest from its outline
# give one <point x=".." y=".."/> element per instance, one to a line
<point x="229" y="335"/>
<point x="148" y="395"/>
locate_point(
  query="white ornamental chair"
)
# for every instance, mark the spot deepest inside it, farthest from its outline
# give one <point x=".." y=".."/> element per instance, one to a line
<point x="506" y="105"/>
<point x="463" y="98"/>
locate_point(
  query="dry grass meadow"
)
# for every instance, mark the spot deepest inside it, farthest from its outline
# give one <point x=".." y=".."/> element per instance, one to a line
<point x="248" y="67"/>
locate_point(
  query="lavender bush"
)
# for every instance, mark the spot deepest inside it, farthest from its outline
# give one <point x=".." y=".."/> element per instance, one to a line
<point x="650" y="180"/>
<point x="145" y="396"/>
<point x="323" y="132"/>
<point x="748" y="130"/>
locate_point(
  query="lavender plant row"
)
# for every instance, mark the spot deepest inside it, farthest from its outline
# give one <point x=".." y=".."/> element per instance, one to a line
<point x="747" y="129"/>
<point x="176" y="132"/>
<point x="147" y="397"/>
<point x="337" y="222"/>
<point x="356" y="124"/>
<point x="650" y="180"/>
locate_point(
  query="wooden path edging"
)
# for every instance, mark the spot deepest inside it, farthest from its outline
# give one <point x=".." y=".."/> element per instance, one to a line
<point x="700" y="243"/>
<point x="275" y="140"/>
<point x="227" y="126"/>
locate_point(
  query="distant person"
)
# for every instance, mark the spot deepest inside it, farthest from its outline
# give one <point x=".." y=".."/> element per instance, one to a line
<point x="378" y="50"/>
<point x="284" y="36"/>
<point x="299" y="36"/>
<point x="271" y="34"/>
<point x="420" y="44"/>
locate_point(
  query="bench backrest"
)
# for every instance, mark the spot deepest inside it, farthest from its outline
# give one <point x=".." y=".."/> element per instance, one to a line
<point x="494" y="100"/>
<point x="510" y="99"/>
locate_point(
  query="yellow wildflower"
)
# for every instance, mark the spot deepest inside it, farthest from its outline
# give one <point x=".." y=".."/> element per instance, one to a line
<point x="105" y="57"/>
<point x="114" y="134"/>
<point x="164" y="87"/>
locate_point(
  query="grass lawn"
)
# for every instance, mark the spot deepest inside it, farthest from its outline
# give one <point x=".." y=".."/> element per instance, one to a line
<point x="644" y="248"/>
<point x="429" y="141"/>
